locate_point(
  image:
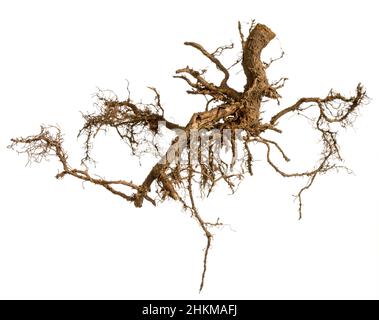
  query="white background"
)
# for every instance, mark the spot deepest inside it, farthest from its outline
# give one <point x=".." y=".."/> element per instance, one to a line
<point x="58" y="240"/>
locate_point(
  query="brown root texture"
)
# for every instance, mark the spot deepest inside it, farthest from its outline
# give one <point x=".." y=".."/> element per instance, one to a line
<point x="192" y="167"/>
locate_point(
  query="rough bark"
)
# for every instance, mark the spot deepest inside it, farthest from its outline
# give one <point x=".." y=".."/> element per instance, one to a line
<point x="252" y="65"/>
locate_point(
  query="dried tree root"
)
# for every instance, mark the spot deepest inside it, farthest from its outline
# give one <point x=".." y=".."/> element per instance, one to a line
<point x="231" y="120"/>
